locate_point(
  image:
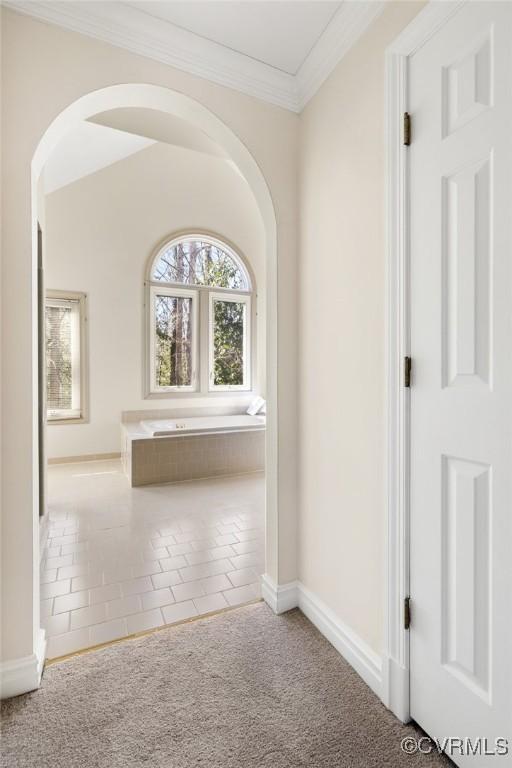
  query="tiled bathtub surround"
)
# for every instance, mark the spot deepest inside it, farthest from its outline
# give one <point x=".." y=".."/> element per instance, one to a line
<point x="121" y="560"/>
<point x="169" y="459"/>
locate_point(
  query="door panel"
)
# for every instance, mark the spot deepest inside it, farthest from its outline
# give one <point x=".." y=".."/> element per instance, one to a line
<point x="466" y="251"/>
<point x="461" y="396"/>
<point x="467" y="85"/>
<point x="465" y="583"/>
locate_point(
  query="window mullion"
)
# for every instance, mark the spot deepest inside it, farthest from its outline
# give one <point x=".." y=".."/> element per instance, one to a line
<point x="204" y="341"/>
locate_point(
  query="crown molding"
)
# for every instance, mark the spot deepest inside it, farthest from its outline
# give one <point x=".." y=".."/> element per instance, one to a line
<point x="127" y="27"/>
<point x="343" y="31"/>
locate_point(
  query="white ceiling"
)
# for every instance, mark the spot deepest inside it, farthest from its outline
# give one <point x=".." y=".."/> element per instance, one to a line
<point x="114" y="135"/>
<point x="275" y="50"/>
<point x="86" y="149"/>
<point x="277" y="33"/>
<point x="159" y="126"/>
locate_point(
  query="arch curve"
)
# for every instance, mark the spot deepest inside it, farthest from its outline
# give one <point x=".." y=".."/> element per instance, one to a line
<point x="160" y="99"/>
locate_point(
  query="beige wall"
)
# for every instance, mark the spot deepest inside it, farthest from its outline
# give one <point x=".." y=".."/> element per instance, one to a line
<point x="100" y="233"/>
<point x="340" y="423"/>
<point x="342" y="325"/>
<point x="44" y="70"/>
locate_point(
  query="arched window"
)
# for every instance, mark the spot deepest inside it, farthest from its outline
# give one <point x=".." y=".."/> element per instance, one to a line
<point x="200" y="261"/>
<point x="199" y="317"/>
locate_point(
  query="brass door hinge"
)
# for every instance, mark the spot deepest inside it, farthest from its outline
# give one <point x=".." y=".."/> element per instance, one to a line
<point x="407" y="613"/>
<point x="407" y="371"/>
<point x="407" y="129"/>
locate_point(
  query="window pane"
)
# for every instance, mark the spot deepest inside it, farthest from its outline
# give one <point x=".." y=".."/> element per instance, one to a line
<point x="59" y="374"/>
<point x="228" y="342"/>
<point x="173" y="341"/>
<point x="194" y="262"/>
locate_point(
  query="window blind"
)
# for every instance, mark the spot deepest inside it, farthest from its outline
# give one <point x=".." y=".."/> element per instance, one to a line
<point x="62" y="319"/>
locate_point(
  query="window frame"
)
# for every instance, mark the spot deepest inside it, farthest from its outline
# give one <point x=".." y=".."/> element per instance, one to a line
<point x="168" y="289"/>
<point x="79" y="361"/>
<point x="202" y="367"/>
<point x="236" y="298"/>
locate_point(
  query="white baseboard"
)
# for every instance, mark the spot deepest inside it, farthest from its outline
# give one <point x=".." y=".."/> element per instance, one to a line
<point x="366" y="662"/>
<point x="359" y="655"/>
<point x="280" y="598"/>
<point x="19" y="676"/>
<point x="84" y="457"/>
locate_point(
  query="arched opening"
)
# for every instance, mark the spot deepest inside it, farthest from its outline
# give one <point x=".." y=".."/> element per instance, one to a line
<point x="155" y="98"/>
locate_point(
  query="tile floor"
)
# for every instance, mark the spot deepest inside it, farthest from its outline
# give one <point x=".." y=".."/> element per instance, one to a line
<point x="121" y="560"/>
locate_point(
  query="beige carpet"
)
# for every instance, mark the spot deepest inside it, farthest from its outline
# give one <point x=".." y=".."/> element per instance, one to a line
<point x="244" y="689"/>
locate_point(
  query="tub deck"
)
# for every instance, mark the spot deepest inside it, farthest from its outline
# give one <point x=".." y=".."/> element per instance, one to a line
<point x="202" y="425"/>
<point x="173" y="450"/>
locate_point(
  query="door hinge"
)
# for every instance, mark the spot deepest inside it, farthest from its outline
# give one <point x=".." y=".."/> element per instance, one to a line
<point x="407" y="129"/>
<point x="407" y="613"/>
<point x="407" y="371"/>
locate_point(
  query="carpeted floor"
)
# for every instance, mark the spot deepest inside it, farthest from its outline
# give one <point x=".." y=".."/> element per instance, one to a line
<point x="244" y="689"/>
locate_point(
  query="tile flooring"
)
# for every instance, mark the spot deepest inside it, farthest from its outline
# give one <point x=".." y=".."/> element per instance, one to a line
<point x="122" y="560"/>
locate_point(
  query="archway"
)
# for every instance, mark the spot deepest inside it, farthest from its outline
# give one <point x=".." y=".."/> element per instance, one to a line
<point x="164" y="100"/>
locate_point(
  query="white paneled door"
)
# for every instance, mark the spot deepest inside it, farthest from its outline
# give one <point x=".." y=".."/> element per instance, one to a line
<point x="461" y="397"/>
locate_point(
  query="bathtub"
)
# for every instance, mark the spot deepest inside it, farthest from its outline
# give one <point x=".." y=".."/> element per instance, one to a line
<point x="203" y="425"/>
<point x="172" y="450"/>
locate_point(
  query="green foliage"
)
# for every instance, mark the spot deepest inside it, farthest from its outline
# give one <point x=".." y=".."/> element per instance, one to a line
<point x="228" y="342"/>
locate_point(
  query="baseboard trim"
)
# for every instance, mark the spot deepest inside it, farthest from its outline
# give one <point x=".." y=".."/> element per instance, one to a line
<point x="19" y="676"/>
<point x="366" y="662"/>
<point x="353" y="648"/>
<point x="86" y="457"/>
<point x="280" y="597"/>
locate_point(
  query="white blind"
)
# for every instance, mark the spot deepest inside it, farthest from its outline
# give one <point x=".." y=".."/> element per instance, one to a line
<point x="62" y="358"/>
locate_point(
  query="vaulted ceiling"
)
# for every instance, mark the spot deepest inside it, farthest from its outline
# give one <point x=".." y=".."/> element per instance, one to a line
<point x="112" y="136"/>
<point x="86" y="149"/>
